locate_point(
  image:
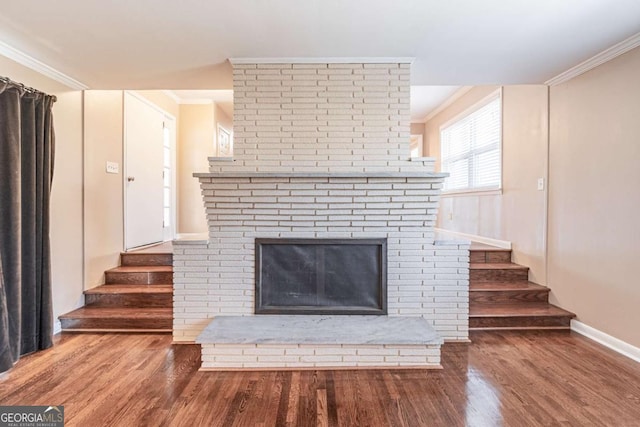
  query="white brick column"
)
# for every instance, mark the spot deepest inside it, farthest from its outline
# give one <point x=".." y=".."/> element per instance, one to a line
<point x="321" y="117"/>
<point x="321" y="151"/>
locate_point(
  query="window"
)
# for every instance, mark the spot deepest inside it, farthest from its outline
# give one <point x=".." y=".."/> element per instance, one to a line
<point x="415" y="146"/>
<point x="471" y="147"/>
<point x="225" y="143"/>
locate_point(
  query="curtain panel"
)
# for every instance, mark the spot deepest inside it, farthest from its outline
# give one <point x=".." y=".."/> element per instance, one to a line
<point x="26" y="170"/>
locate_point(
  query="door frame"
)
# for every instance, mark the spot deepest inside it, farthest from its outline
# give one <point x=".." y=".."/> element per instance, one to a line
<point x="173" y="134"/>
<point x="167" y="116"/>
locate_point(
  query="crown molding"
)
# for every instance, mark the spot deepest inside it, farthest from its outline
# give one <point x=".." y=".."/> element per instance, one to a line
<point x="324" y="60"/>
<point x="171" y="94"/>
<point x="453" y="98"/>
<point x="40" y="67"/>
<point x="599" y="59"/>
<point x="196" y="101"/>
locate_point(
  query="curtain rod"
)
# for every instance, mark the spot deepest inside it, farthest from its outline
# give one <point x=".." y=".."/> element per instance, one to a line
<point x="7" y="80"/>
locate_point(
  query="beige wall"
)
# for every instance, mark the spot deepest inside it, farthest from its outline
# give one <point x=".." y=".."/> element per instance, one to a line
<point x="162" y="100"/>
<point x="582" y="243"/>
<point x="517" y="213"/>
<point x="195" y="145"/>
<point x="594" y="198"/>
<point x="66" y="195"/>
<point x="103" y="192"/>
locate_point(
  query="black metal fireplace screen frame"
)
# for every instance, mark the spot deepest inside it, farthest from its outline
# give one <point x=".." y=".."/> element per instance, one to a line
<point x="381" y="245"/>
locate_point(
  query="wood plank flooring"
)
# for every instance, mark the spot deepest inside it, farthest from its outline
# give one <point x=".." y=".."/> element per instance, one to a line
<point x="502" y="378"/>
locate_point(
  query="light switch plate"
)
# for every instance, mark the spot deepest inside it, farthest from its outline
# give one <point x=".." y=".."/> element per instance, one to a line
<point x="540" y="184"/>
<point x="113" y="167"/>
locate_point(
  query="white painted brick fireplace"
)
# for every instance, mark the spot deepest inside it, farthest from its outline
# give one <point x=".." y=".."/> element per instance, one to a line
<point x="320" y="151"/>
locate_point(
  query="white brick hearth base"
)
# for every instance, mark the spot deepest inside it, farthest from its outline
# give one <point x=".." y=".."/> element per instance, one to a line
<point x="267" y="356"/>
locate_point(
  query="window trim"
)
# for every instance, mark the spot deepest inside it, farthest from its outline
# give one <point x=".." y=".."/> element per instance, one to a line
<point x="498" y="93"/>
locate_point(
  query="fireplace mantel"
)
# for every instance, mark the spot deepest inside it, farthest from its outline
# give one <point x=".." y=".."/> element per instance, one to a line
<point x="320" y="175"/>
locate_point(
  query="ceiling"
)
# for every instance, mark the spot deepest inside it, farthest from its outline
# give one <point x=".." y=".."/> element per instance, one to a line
<point x="425" y="99"/>
<point x="222" y="98"/>
<point x="159" y="44"/>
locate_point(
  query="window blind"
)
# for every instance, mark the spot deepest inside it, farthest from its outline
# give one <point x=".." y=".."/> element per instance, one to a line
<point x="471" y="148"/>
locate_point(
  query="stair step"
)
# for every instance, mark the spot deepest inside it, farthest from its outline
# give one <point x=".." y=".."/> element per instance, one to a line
<point x="518" y="316"/>
<point x="507" y="292"/>
<point x="109" y="319"/>
<point x="497" y="266"/>
<point x="497" y="272"/>
<point x="490" y="255"/>
<point x="139" y="275"/>
<point x="145" y="259"/>
<point x="118" y="295"/>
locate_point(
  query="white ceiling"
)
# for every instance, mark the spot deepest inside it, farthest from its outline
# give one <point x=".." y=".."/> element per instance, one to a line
<point x="425" y="99"/>
<point x="159" y="44"/>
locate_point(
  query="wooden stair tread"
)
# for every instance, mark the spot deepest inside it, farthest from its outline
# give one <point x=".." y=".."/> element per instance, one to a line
<point x="506" y="286"/>
<point x="131" y="289"/>
<point x="142" y="269"/>
<point x="164" y="252"/>
<point x="481" y="247"/>
<point x="496" y="266"/>
<point x="145" y="259"/>
<point x="88" y="312"/>
<point x="517" y="310"/>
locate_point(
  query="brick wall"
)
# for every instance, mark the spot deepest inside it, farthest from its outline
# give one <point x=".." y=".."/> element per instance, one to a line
<point x="321" y="117"/>
<point x="238" y="356"/>
<point x="424" y="278"/>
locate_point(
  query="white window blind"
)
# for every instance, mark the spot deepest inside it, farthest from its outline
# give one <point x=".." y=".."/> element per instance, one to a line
<point x="471" y="148"/>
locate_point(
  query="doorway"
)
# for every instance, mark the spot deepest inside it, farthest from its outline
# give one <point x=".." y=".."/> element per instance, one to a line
<point x="149" y="145"/>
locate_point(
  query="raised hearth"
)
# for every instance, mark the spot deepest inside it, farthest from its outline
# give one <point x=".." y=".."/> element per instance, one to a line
<point x="236" y="342"/>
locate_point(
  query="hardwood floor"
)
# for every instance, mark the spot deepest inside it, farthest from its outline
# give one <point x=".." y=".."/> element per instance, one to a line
<point x="502" y="378"/>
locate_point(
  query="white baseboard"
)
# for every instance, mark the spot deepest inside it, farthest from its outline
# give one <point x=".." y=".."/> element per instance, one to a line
<point x="606" y="340"/>
<point x="472" y="237"/>
<point x="57" y="327"/>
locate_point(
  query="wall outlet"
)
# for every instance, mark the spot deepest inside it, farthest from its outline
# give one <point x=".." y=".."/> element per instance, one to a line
<point x="113" y="167"/>
<point x="540" y="184"/>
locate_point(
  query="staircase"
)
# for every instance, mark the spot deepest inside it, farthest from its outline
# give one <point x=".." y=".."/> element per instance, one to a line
<point x="136" y="297"/>
<point x="501" y="296"/>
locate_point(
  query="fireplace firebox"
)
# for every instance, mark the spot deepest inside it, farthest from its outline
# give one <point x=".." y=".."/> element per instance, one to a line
<point x="321" y="276"/>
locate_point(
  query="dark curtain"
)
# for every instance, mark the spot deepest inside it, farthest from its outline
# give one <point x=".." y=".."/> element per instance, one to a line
<point x="26" y="169"/>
